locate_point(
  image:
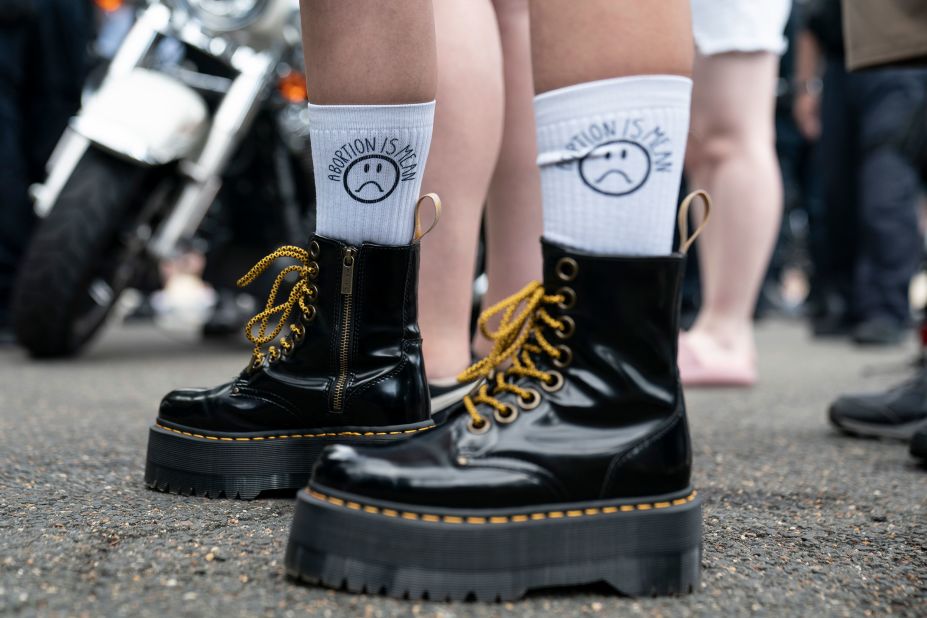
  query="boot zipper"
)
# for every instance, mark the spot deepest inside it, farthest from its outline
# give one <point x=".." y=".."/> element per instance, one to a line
<point x="347" y="307"/>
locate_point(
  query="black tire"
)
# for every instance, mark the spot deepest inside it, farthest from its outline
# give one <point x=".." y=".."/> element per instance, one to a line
<point x="76" y="244"/>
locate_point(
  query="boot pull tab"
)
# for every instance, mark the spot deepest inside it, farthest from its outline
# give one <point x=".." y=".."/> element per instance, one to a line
<point x="419" y="234"/>
<point x="685" y="241"/>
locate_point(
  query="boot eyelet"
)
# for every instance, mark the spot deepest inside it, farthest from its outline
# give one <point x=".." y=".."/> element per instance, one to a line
<point x="533" y="401"/>
<point x="473" y="428"/>
<point x="566" y="356"/>
<point x="568" y="327"/>
<point x="556" y="384"/>
<point x="312" y="291"/>
<point x="566" y="269"/>
<point x="314" y="249"/>
<point x="313" y="269"/>
<point x="308" y="317"/>
<point x="569" y="298"/>
<point x="509" y="417"/>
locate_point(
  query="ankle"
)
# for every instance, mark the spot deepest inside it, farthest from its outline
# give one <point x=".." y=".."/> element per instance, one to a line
<point x="730" y="334"/>
<point x="443" y="366"/>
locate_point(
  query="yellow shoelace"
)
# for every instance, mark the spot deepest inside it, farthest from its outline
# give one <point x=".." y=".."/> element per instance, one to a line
<point x="307" y="270"/>
<point x="518" y="336"/>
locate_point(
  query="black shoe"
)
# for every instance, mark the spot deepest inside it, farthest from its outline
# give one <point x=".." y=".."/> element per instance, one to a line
<point x="571" y="466"/>
<point x="919" y="444"/>
<point x="898" y="412"/>
<point x="349" y="371"/>
<point x="880" y="331"/>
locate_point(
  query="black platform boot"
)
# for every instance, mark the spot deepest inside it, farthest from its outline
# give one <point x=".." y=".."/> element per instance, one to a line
<point x="571" y="466"/>
<point x="349" y="371"/>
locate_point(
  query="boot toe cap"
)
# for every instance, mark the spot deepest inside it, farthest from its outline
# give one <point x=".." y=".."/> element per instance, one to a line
<point x="403" y="474"/>
<point x="347" y="468"/>
<point x="185" y="406"/>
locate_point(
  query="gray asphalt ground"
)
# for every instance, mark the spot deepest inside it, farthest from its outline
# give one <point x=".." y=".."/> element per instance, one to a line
<point x="799" y="520"/>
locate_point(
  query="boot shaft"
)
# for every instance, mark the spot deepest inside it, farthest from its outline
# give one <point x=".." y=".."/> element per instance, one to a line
<point x="362" y="334"/>
<point x="624" y="316"/>
<point x="367" y="300"/>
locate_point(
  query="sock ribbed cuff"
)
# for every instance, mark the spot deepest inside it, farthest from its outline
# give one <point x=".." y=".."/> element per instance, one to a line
<point x="611" y="156"/>
<point x="368" y="164"/>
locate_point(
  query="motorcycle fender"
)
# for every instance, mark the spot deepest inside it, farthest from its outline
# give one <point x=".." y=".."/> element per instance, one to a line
<point x="145" y="116"/>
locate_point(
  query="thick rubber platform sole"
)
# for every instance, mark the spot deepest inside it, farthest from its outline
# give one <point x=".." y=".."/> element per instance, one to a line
<point x="646" y="547"/>
<point x="238" y="465"/>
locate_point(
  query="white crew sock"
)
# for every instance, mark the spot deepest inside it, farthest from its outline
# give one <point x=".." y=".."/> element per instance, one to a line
<point x="611" y="155"/>
<point x="369" y="161"/>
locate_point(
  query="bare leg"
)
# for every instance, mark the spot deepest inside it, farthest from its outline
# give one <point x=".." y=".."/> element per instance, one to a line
<point x="513" y="207"/>
<point x="732" y="156"/>
<point x="467" y="133"/>
<point x="369" y="52"/>
<point x="575" y="42"/>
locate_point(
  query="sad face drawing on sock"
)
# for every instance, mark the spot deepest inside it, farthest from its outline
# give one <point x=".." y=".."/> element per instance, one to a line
<point x="616" y="168"/>
<point x="371" y="178"/>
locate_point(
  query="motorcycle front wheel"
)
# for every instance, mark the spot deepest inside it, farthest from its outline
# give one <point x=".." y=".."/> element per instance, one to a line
<point x="82" y="256"/>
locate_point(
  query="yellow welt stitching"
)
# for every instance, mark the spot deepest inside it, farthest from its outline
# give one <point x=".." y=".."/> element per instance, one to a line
<point x="501" y="519"/>
<point x="296" y="435"/>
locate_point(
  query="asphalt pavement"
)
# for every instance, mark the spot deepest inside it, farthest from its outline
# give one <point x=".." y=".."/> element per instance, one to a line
<point x="800" y="521"/>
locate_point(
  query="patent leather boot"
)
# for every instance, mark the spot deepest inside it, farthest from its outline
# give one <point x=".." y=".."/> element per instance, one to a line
<point x="570" y="465"/>
<point x="349" y="371"/>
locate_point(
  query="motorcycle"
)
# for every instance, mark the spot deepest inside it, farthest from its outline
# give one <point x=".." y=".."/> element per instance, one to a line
<point x="202" y="105"/>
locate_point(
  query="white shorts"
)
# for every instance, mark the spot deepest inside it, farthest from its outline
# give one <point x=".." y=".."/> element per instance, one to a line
<point x="722" y="26"/>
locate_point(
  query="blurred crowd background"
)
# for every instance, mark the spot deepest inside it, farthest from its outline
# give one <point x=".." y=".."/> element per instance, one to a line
<point x="849" y="259"/>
